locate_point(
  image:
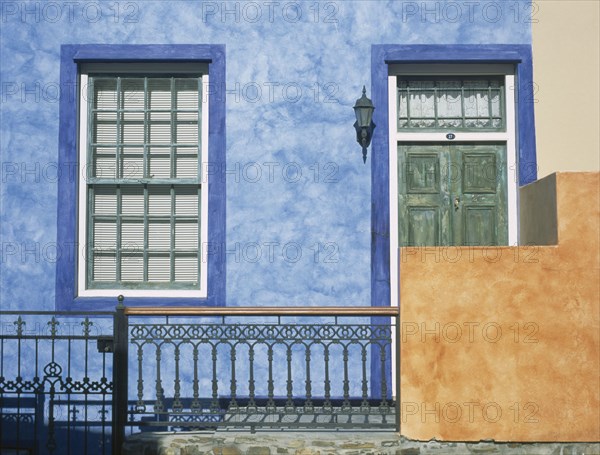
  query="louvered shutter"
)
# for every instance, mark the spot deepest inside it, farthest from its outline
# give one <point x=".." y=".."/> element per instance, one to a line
<point x="144" y="188"/>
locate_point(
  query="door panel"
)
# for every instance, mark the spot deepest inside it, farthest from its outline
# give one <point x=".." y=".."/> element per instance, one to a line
<point x="424" y="225"/>
<point x="452" y="194"/>
<point x="480" y="218"/>
<point x="479" y="172"/>
<point x="478" y="225"/>
<point x="423" y="173"/>
<point x="423" y="195"/>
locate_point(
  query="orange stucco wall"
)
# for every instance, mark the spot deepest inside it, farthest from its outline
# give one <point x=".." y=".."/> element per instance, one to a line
<point x="504" y="343"/>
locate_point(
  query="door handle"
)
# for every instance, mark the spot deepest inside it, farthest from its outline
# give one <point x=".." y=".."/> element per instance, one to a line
<point x="456" y="202"/>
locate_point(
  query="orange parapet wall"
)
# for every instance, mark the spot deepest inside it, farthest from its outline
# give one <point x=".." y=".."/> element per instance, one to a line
<point x="503" y="343"/>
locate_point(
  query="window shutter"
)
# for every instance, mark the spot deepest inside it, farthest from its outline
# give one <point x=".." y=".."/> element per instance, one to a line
<point x="104" y="231"/>
<point x="144" y="221"/>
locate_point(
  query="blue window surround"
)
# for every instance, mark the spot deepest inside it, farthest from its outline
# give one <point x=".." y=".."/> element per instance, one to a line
<point x="381" y="56"/>
<point x="66" y="271"/>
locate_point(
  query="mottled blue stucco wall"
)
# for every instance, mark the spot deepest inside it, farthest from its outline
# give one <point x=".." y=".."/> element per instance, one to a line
<point x="296" y="183"/>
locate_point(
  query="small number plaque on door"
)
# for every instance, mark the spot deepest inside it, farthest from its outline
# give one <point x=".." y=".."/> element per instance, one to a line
<point x="450" y="136"/>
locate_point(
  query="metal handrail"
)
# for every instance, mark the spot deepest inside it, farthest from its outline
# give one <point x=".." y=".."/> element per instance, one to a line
<point x="263" y="311"/>
<point x="56" y="313"/>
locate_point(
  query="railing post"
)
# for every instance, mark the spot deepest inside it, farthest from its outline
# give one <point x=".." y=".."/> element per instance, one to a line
<point x="120" y="382"/>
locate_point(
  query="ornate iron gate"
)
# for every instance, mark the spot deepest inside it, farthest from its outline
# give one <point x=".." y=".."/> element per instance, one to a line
<point x="55" y="383"/>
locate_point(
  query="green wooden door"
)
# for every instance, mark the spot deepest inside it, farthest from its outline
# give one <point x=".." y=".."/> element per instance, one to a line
<point x="452" y="194"/>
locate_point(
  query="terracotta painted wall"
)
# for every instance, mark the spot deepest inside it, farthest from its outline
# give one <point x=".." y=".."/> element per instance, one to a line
<point x="504" y="343"/>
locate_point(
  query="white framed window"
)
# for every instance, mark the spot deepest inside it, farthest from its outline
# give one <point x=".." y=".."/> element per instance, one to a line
<point x="143" y="204"/>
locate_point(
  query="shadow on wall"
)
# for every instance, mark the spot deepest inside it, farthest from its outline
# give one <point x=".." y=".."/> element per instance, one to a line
<point x="26" y="432"/>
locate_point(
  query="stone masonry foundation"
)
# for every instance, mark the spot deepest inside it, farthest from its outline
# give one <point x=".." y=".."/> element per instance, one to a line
<point x="330" y="443"/>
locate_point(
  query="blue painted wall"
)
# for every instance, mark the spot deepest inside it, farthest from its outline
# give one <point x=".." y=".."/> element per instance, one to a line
<point x="296" y="183"/>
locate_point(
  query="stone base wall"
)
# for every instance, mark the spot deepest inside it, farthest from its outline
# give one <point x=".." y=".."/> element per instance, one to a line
<point x="319" y="443"/>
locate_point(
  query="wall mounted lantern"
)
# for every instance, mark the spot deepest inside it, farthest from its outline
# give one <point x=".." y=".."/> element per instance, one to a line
<point x="363" y="109"/>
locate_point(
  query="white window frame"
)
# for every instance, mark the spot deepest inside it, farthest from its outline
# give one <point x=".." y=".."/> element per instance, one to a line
<point x="508" y="136"/>
<point x="82" y="200"/>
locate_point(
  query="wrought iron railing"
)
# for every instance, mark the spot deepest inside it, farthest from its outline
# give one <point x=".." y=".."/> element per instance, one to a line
<point x="76" y="383"/>
<point x="254" y="368"/>
<point x="55" y="385"/>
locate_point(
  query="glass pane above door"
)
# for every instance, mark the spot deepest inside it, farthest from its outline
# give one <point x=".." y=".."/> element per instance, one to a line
<point x="428" y="103"/>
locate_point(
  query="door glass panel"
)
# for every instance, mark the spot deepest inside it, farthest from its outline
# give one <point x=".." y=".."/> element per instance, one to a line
<point x="467" y="103"/>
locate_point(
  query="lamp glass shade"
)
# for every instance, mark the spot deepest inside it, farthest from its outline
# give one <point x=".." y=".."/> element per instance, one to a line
<point x="364" y="116"/>
<point x="363" y="109"/>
